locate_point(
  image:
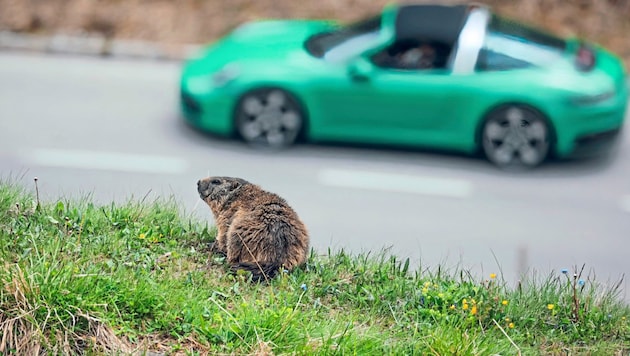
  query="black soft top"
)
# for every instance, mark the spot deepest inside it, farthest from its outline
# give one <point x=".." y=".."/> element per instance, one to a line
<point x="438" y="23"/>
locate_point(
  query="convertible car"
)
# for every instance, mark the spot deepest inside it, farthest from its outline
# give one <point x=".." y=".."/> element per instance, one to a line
<point x="448" y="77"/>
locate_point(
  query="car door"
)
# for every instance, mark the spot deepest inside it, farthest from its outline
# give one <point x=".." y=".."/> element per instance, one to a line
<point x="374" y="102"/>
<point x="408" y="106"/>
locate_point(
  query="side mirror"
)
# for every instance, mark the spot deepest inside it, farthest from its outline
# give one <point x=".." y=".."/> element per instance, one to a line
<point x="360" y="70"/>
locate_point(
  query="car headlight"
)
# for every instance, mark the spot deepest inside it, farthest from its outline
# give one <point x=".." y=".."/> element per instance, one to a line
<point x="587" y="100"/>
<point x="225" y="75"/>
<point x="202" y="84"/>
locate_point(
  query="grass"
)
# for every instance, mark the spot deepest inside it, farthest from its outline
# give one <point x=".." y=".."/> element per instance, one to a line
<point x="80" y="278"/>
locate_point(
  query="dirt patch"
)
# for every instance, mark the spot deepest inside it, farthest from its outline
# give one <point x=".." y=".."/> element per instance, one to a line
<point x="200" y="21"/>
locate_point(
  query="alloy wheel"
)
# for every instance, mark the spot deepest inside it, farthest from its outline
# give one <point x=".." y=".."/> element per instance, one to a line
<point x="516" y="137"/>
<point x="269" y="118"/>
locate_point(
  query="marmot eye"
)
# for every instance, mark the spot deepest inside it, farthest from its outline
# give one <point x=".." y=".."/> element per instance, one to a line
<point x="215" y="182"/>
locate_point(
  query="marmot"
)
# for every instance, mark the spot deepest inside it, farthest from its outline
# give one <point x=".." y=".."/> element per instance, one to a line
<point x="256" y="230"/>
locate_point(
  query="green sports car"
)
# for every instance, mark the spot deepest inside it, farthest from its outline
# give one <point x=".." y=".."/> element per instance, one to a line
<point x="448" y="77"/>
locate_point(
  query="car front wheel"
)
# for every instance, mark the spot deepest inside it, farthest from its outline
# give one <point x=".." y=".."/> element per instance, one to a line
<point x="516" y="137"/>
<point x="269" y="117"/>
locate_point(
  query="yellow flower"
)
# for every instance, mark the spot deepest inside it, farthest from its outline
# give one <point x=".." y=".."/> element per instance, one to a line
<point x="511" y="325"/>
<point x="465" y="306"/>
<point x="427" y="284"/>
<point x="550" y="306"/>
<point x="452" y="307"/>
<point x="493" y="275"/>
<point x="507" y="320"/>
<point x="505" y="302"/>
<point x="142" y="236"/>
<point x="473" y="311"/>
<point x="425" y="290"/>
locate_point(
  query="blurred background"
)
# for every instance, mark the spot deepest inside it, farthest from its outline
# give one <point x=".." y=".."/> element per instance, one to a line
<point x="199" y="21"/>
<point x="109" y="128"/>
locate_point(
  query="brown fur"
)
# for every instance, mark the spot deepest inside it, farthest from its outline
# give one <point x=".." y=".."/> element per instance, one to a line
<point x="256" y="230"/>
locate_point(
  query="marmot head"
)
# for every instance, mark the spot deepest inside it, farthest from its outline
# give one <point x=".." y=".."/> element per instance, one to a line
<point x="217" y="190"/>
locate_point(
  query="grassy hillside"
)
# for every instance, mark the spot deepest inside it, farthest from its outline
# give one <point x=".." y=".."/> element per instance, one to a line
<point x="200" y="21"/>
<point x="80" y="278"/>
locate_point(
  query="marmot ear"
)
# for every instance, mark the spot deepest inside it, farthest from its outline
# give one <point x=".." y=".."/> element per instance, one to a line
<point x="235" y="184"/>
<point x="241" y="182"/>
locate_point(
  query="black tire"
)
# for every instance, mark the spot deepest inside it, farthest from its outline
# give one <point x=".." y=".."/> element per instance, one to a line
<point x="516" y="137"/>
<point x="269" y="117"/>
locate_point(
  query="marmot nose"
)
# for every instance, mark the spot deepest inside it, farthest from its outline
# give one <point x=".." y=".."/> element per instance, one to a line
<point x="201" y="186"/>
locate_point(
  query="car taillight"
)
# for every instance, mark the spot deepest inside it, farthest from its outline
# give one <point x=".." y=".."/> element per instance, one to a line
<point x="585" y="58"/>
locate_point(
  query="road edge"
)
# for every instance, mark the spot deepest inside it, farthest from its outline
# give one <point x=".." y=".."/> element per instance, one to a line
<point x="95" y="45"/>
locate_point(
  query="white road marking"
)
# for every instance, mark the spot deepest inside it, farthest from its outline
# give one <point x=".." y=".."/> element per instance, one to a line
<point x="107" y="161"/>
<point x="400" y="183"/>
<point x="625" y="203"/>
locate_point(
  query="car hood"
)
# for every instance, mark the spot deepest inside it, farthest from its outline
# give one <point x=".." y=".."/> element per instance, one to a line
<point x="265" y="40"/>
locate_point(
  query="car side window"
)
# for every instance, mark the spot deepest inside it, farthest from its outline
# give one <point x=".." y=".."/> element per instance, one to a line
<point x="411" y="55"/>
<point x="495" y="61"/>
<point x="505" y="51"/>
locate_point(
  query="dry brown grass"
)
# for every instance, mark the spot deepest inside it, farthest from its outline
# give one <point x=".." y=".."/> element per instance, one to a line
<point x="22" y="334"/>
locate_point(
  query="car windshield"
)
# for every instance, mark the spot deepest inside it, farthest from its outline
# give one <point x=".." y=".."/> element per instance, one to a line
<point x="510" y="45"/>
<point x="338" y="44"/>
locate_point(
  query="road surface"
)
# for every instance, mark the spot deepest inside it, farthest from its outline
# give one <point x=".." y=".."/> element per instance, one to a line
<point x="110" y="128"/>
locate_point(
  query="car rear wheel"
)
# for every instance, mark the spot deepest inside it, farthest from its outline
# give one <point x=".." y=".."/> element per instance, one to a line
<point x="516" y="137"/>
<point x="269" y="117"/>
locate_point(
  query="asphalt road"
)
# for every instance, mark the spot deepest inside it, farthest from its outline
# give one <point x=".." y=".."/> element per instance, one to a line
<point x="110" y="128"/>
